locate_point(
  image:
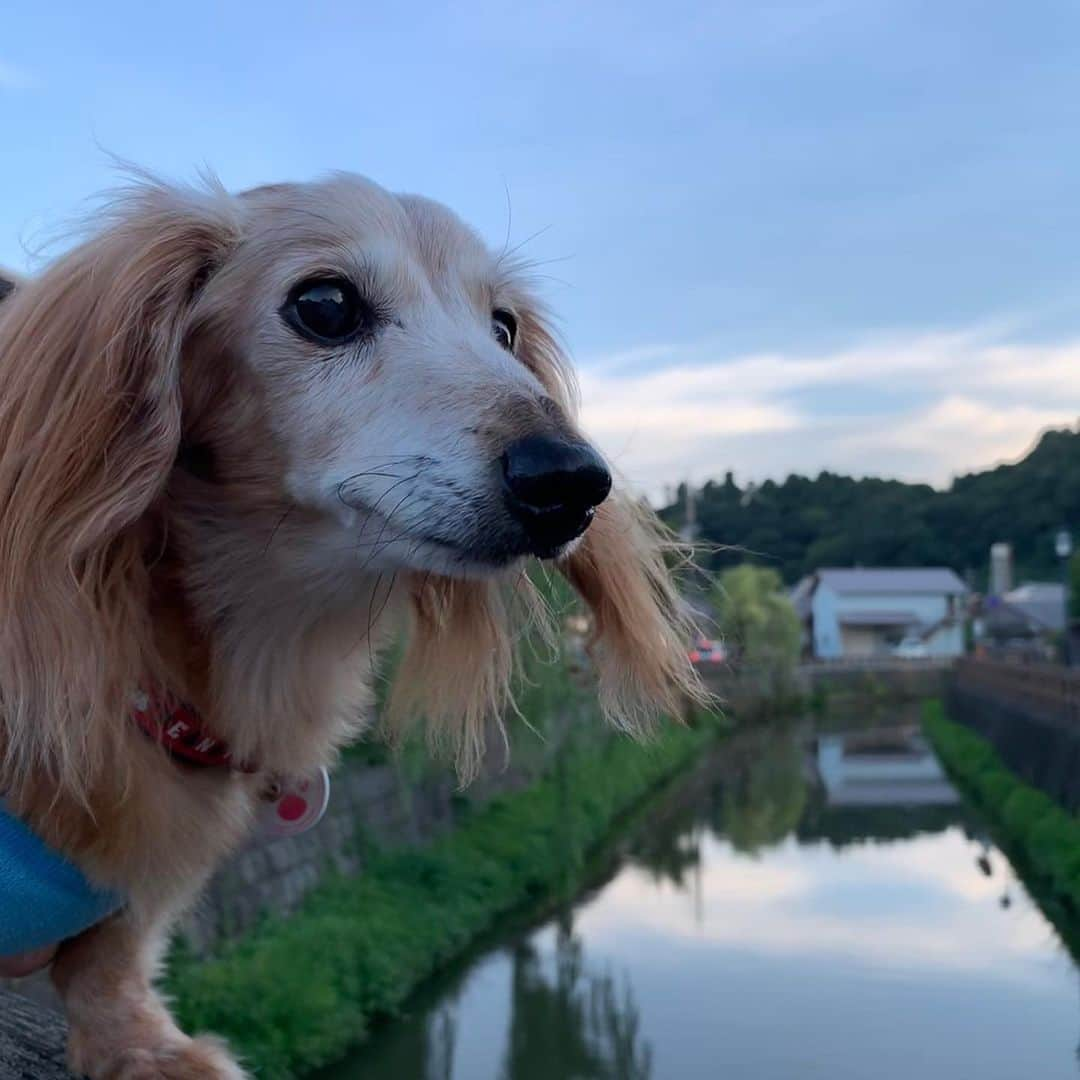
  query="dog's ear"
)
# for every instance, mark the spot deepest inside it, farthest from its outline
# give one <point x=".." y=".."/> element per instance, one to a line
<point x="641" y="633"/>
<point x="89" y="429"/>
<point x="458" y="664"/>
<point x="89" y="358"/>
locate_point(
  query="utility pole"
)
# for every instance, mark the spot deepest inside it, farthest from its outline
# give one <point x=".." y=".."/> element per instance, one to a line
<point x="1063" y="546"/>
<point x="689" y="529"/>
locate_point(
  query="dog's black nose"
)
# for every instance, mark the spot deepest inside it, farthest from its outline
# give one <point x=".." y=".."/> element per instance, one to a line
<point x="553" y="486"/>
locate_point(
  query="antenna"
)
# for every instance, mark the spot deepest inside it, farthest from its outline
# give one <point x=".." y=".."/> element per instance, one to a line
<point x="689" y="528"/>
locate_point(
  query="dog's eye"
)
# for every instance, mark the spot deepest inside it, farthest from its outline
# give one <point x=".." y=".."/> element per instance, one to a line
<point x="504" y="327"/>
<point x="327" y="310"/>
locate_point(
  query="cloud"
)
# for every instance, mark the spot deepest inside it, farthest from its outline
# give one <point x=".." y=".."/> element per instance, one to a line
<point x="15" y="78"/>
<point x="809" y="901"/>
<point x="921" y="407"/>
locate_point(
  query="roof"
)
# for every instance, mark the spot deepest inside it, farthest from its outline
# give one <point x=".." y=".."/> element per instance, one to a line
<point x="801" y="595"/>
<point x="930" y="579"/>
<point x="1041" y="601"/>
<point x="1003" y="620"/>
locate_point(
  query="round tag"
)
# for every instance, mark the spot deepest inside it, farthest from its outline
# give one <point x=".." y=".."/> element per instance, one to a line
<point x="296" y="805"/>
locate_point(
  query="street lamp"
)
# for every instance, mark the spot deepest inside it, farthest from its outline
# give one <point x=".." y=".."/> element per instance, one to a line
<point x="1063" y="546"/>
<point x="1063" y="543"/>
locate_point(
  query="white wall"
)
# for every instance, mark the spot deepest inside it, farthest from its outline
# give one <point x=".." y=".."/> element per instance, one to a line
<point x="827" y="644"/>
<point x="947" y="641"/>
<point x="926" y="609"/>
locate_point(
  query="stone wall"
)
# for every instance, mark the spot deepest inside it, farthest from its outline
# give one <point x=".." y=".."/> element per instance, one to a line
<point x="889" y="679"/>
<point x="885" y="680"/>
<point x="1043" y="751"/>
<point x="275" y="874"/>
<point x="376" y="804"/>
<point x="31" y="1041"/>
<point x="384" y="803"/>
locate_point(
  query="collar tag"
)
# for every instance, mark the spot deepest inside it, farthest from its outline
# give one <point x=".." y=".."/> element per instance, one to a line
<point x="294" y="804"/>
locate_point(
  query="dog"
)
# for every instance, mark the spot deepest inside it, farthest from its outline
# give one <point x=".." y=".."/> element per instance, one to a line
<point x="244" y="440"/>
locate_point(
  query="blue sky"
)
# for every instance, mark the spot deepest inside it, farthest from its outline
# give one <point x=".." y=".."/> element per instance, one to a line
<point x="782" y="236"/>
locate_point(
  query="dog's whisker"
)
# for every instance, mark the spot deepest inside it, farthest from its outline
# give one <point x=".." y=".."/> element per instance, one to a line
<point x="378" y="502"/>
<point x="372" y="621"/>
<point x="378" y="550"/>
<point x="382" y="472"/>
<point x="274" y="531"/>
<point x="506" y="255"/>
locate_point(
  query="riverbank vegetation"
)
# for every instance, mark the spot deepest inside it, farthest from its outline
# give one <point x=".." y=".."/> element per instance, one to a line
<point x="1041" y="838"/>
<point x="757" y="623"/>
<point x="297" y="992"/>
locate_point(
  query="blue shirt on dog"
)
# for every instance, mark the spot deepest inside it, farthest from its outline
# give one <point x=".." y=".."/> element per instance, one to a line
<point x="43" y="897"/>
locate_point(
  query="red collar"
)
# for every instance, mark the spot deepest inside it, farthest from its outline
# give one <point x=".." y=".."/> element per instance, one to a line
<point x="180" y="730"/>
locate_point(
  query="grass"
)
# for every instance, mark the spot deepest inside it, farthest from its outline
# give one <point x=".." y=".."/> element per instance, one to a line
<point x="1038" y="833"/>
<point x="297" y="993"/>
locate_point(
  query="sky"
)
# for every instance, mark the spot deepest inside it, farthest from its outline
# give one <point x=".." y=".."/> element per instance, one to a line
<point x="780" y="236"/>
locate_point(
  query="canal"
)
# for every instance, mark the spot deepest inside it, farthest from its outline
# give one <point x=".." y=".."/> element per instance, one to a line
<point x="806" y="903"/>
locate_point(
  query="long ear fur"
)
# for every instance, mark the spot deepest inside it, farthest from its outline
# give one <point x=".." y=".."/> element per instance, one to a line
<point x="459" y="663"/>
<point x="641" y="631"/>
<point x="89" y="430"/>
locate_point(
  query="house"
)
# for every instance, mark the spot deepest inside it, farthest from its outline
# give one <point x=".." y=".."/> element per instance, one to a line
<point x="867" y="611"/>
<point x="1041" y="603"/>
<point x="1023" y="622"/>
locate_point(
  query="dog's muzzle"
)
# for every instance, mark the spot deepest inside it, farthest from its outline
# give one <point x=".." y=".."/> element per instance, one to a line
<point x="552" y="487"/>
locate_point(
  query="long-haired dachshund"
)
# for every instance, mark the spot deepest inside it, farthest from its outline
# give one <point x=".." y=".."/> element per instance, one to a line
<point x="241" y="438"/>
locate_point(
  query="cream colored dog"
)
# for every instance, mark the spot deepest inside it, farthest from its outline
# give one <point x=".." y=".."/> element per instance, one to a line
<point x="238" y="436"/>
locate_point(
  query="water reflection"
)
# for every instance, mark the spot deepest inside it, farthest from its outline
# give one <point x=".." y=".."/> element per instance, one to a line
<point x="803" y="905"/>
<point x="570" y="1022"/>
<point x="560" y="1018"/>
<point x="763" y="791"/>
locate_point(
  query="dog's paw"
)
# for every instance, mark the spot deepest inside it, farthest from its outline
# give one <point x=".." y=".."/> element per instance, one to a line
<point x="204" y="1058"/>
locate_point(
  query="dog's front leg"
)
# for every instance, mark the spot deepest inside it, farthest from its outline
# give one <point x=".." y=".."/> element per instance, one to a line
<point x="119" y="1028"/>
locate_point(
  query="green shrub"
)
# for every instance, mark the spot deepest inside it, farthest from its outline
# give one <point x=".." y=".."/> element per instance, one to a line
<point x="1023" y="811"/>
<point x="1053" y="848"/>
<point x="994" y="788"/>
<point x="297" y="993"/>
<point x="1044" y="835"/>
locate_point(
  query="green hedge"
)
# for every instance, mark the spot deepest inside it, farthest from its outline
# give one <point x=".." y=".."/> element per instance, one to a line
<point x="297" y="993"/>
<point x="1044" y="834"/>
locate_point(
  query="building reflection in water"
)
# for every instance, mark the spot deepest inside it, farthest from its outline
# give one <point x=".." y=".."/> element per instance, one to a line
<point x="881" y="767"/>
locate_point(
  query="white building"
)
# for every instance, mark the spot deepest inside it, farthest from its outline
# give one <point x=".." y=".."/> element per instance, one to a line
<point x="882" y="768"/>
<point x="880" y="612"/>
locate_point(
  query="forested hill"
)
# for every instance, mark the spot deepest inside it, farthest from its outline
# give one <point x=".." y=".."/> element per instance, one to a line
<point x="832" y="520"/>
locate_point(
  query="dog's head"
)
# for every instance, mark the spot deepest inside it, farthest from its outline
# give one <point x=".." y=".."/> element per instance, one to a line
<point x="325" y="383"/>
<point x="413" y="396"/>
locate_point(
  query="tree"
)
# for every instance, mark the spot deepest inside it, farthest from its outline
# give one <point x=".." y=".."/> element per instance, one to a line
<point x="759" y="624"/>
<point x="804" y="523"/>
<point x="571" y="1022"/>
<point x="764" y="791"/>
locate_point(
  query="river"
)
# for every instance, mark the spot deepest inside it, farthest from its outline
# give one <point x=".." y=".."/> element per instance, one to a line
<point x="806" y="903"/>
